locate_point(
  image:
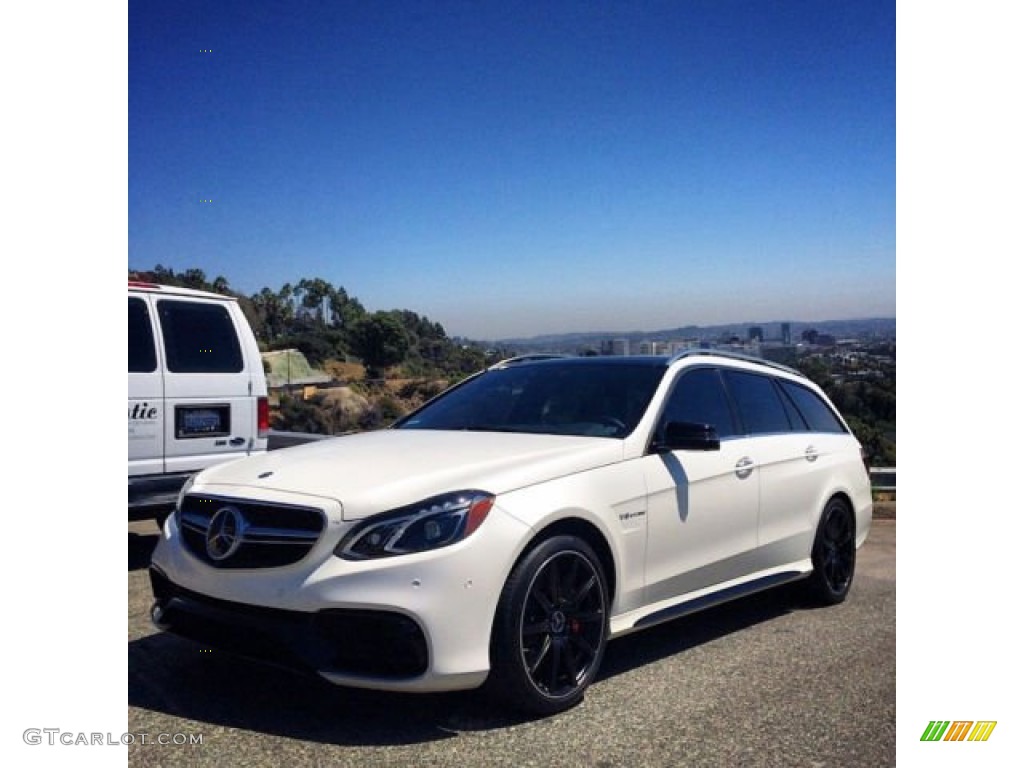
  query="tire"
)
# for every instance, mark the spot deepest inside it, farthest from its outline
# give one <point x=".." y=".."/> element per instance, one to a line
<point x="834" y="554"/>
<point x="551" y="627"/>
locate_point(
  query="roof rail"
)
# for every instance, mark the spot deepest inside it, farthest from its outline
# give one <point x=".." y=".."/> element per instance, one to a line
<point x="525" y="359"/>
<point x="699" y="352"/>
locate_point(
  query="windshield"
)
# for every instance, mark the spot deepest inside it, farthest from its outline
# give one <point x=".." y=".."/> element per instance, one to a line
<point x="598" y="400"/>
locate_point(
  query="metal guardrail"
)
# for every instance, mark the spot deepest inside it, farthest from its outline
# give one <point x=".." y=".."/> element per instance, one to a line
<point x="883" y="479"/>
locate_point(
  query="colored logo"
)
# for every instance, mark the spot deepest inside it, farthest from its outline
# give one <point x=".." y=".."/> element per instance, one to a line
<point x="958" y="730"/>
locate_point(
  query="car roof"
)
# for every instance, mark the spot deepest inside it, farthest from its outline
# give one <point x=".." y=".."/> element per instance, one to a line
<point x="654" y="361"/>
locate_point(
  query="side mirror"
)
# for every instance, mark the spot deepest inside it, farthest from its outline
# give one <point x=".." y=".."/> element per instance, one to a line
<point x="688" y="436"/>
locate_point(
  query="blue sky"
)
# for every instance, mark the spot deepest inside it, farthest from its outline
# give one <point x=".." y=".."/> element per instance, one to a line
<point x="516" y="168"/>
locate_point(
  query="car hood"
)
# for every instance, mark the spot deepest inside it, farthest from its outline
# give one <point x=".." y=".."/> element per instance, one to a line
<point x="373" y="472"/>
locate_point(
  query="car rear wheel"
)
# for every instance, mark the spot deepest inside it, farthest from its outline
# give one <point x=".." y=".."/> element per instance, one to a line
<point x="834" y="554"/>
<point x="551" y="627"/>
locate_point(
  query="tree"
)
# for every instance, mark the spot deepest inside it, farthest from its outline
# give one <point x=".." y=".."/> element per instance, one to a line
<point x="379" y="340"/>
<point x="312" y="294"/>
<point x="275" y="314"/>
<point x="347" y="310"/>
<point x="195" y="278"/>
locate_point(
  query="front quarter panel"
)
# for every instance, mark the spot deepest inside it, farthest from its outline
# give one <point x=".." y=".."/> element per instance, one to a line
<point x="613" y="499"/>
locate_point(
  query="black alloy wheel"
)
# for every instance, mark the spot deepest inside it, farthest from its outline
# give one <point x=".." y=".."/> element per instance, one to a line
<point x="551" y="627"/>
<point x="834" y="554"/>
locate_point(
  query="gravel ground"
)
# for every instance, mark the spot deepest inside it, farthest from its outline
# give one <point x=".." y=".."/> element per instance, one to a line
<point x="764" y="681"/>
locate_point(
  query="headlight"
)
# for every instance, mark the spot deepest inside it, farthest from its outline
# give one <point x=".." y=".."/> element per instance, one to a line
<point x="431" y="524"/>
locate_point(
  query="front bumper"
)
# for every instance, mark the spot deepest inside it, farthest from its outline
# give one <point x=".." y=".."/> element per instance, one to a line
<point x="360" y="643"/>
<point x="417" y="622"/>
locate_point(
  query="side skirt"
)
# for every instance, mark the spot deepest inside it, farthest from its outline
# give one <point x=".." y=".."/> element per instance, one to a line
<point x="716" y="598"/>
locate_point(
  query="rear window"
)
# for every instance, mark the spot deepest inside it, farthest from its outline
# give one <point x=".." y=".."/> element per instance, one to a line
<point x="818" y="415"/>
<point x="199" y="337"/>
<point x="141" y="350"/>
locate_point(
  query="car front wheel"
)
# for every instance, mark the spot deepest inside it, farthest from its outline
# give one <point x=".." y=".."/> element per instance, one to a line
<point x="551" y="627"/>
<point x="834" y="554"/>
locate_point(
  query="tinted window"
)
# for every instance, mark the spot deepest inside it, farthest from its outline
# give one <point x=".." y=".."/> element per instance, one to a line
<point x="818" y="415"/>
<point x="796" y="419"/>
<point x="141" y="351"/>
<point x="699" y="398"/>
<point x="199" y="338"/>
<point x="595" y="399"/>
<point x="761" y="409"/>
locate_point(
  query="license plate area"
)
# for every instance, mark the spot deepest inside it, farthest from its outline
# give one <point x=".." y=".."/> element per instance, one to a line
<point x="192" y="421"/>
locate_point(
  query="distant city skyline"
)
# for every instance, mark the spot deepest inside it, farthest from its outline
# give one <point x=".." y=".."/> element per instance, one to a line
<point x="771" y="332"/>
<point x="512" y="171"/>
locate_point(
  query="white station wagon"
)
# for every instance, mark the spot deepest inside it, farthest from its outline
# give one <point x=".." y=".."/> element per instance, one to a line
<point x="508" y="529"/>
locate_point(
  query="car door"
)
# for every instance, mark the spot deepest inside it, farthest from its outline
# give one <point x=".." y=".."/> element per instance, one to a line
<point x="702" y="505"/>
<point x="145" y="391"/>
<point x="820" y="447"/>
<point x="786" y="454"/>
<point x="210" y="409"/>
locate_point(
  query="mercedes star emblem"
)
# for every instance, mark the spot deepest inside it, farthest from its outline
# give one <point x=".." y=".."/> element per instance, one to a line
<point x="224" y="536"/>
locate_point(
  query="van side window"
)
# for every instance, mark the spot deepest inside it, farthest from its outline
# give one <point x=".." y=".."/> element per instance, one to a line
<point x="199" y="338"/>
<point x="819" y="416"/>
<point x="699" y="398"/>
<point x="141" y="350"/>
<point x="760" y="406"/>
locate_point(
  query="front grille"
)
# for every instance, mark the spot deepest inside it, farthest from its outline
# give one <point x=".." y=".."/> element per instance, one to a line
<point x="247" y="534"/>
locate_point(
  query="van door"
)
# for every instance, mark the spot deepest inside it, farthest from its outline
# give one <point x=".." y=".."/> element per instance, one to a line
<point x="145" y="391"/>
<point x="210" y="410"/>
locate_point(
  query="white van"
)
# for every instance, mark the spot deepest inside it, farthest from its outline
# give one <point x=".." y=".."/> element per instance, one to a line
<point x="197" y="393"/>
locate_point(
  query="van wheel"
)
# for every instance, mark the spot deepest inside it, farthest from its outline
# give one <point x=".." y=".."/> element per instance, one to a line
<point x="551" y="627"/>
<point x="834" y="554"/>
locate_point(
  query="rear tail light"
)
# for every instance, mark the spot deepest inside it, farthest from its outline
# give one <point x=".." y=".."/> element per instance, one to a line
<point x="262" y="417"/>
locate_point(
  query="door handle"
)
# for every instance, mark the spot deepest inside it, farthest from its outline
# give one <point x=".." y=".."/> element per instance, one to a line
<point x="811" y="454"/>
<point x="744" y="467"/>
<point x="237" y="440"/>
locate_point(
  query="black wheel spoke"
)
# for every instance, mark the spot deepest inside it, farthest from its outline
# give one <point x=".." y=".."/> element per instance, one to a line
<point x="540" y="655"/>
<point x="570" y="663"/>
<point x="583" y="591"/>
<point x="541" y="598"/>
<point x="574" y="567"/>
<point x="581" y="642"/>
<point x="556" y="662"/>
<point x="537" y="628"/>
<point x="554" y="585"/>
